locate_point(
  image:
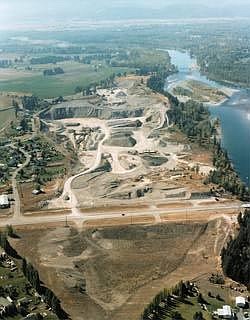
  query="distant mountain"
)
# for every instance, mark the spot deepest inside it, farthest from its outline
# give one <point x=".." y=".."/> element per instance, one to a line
<point x="174" y="11"/>
<point x="14" y="12"/>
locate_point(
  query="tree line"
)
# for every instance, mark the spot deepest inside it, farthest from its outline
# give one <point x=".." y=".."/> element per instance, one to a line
<point x="236" y="255"/>
<point x="226" y="65"/>
<point x="91" y="88"/>
<point x="165" y="302"/>
<point x="5" y="63"/>
<point x="50" y="298"/>
<point x="49" y="59"/>
<point x="33" y="103"/>
<point x="53" y="72"/>
<point x="4" y="243"/>
<point x="225" y="175"/>
<point x="145" y="62"/>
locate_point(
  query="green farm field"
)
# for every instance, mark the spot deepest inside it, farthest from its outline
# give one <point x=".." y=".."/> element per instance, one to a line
<point x="53" y="86"/>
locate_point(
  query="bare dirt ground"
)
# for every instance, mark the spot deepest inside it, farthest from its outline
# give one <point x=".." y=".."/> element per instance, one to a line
<point x="122" y="267"/>
<point x="30" y="202"/>
<point x="5" y="101"/>
<point x="131" y="157"/>
<point x="12" y="74"/>
<point x="5" y="213"/>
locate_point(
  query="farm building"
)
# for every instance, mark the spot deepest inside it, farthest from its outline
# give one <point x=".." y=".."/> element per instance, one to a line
<point x="4" y="201"/>
<point x="224" y="313"/>
<point x="240" y="302"/>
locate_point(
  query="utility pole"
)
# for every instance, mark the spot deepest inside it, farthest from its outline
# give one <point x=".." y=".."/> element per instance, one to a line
<point x="186" y="211"/>
<point x="66" y="222"/>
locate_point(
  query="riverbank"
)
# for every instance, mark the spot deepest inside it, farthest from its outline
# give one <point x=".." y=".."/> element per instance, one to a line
<point x="194" y="121"/>
<point x="233" y="112"/>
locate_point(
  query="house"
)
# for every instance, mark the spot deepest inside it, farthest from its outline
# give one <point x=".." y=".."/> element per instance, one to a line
<point x="7" y="308"/>
<point x="240" y="302"/>
<point x="9" y="299"/>
<point x="23" y="302"/>
<point x="36" y="192"/>
<point x="31" y="316"/>
<point x="3" y="255"/>
<point x="4" y="302"/>
<point x="4" y="201"/>
<point x="224" y="313"/>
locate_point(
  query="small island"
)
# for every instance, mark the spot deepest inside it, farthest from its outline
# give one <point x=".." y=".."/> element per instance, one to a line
<point x="200" y="92"/>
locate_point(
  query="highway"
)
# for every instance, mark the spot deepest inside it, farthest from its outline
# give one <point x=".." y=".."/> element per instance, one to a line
<point x="79" y="218"/>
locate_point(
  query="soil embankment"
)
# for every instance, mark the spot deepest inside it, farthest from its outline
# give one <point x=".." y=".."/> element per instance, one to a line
<point x="110" y="273"/>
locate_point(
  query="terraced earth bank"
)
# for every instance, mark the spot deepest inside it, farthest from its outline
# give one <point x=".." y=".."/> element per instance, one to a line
<point x="127" y="148"/>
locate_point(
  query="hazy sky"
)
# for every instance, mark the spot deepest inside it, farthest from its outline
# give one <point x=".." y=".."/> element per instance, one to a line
<point x="13" y="12"/>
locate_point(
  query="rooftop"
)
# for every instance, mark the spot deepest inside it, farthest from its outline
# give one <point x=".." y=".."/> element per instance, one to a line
<point x="225" y="311"/>
<point x="4" y="302"/>
<point x="240" y="300"/>
<point x="4" y="200"/>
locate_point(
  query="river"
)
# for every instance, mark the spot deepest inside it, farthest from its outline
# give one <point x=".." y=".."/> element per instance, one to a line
<point x="234" y="114"/>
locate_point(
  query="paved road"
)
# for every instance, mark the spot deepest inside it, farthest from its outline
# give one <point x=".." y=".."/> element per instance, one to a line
<point x="44" y="218"/>
<point x="8" y="108"/>
<point x="240" y="315"/>
<point x="17" y="204"/>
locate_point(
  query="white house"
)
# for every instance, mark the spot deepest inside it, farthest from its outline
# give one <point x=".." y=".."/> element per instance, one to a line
<point x="240" y="302"/>
<point x="225" y="312"/>
<point x="4" y="201"/>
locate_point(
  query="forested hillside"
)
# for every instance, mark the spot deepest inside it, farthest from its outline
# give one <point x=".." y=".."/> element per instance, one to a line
<point x="236" y="257"/>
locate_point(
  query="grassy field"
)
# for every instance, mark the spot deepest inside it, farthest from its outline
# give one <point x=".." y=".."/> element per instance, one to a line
<point x="190" y="306"/>
<point x="52" y="86"/>
<point x="141" y="57"/>
<point x="5" y="117"/>
<point x="5" y="101"/>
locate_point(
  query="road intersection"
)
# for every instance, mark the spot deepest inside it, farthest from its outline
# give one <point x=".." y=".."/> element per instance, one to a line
<point x="180" y="214"/>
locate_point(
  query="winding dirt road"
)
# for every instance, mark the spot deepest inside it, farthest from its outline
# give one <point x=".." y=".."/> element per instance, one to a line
<point x="68" y="198"/>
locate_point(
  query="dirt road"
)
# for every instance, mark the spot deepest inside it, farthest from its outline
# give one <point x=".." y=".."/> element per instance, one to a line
<point x="142" y="141"/>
